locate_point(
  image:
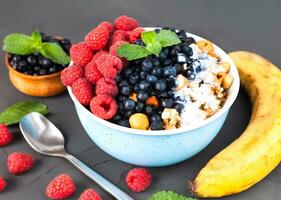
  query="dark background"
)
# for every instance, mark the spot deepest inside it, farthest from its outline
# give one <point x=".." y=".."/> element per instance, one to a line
<point x="234" y="25"/>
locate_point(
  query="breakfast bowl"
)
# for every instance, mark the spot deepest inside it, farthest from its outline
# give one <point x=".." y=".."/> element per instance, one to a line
<point x="153" y="148"/>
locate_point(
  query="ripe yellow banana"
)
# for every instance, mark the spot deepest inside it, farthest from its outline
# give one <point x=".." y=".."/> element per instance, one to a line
<point x="258" y="150"/>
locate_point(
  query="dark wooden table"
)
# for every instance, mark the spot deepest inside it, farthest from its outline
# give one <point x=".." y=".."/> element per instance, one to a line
<point x="252" y="25"/>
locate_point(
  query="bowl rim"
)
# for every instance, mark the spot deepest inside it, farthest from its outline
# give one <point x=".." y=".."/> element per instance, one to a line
<point x="26" y="76"/>
<point x="228" y="103"/>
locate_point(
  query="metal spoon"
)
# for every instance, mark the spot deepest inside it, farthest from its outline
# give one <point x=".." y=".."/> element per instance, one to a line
<point x="45" y="138"/>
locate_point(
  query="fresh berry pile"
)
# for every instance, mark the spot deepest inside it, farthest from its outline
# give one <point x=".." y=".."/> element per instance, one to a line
<point x="37" y="64"/>
<point x="129" y="93"/>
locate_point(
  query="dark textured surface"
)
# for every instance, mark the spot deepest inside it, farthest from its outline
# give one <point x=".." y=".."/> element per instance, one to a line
<point x="252" y="25"/>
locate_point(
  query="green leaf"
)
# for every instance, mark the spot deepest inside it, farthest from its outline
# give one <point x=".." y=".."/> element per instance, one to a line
<point x="18" y="43"/>
<point x="14" y="113"/>
<point x="37" y="39"/>
<point x="167" y="38"/>
<point x="168" y="195"/>
<point x="55" y="53"/>
<point x="148" y="37"/>
<point x="154" y="48"/>
<point x="132" y="51"/>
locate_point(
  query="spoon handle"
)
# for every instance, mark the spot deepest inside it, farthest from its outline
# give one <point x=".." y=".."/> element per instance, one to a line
<point x="101" y="181"/>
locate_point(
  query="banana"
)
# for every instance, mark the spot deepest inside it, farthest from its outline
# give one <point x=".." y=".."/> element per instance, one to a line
<point x="257" y="151"/>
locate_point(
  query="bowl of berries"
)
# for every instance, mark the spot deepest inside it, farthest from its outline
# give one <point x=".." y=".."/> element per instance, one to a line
<point x="150" y="96"/>
<point x="35" y="62"/>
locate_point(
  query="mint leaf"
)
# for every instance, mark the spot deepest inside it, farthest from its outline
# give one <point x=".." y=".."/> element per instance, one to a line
<point x="167" y="38"/>
<point x="55" y="53"/>
<point x="132" y="51"/>
<point x="154" y="48"/>
<point x="14" y="113"/>
<point x="37" y="39"/>
<point x="18" y="43"/>
<point x="148" y="37"/>
<point x="168" y="195"/>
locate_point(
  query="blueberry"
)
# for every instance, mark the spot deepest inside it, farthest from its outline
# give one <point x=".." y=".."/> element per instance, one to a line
<point x="36" y="68"/>
<point x="155" y="62"/>
<point x="191" y="76"/>
<point x="46" y="38"/>
<point x="136" y="87"/>
<point x="179" y="68"/>
<point x="66" y="47"/>
<point x="157" y="30"/>
<point x="16" y="58"/>
<point x="118" y="78"/>
<point x="186" y="49"/>
<point x="31" y="59"/>
<point x="128" y="113"/>
<point x="43" y="71"/>
<point x="144" y="85"/>
<point x="151" y="78"/>
<point x="155" y="117"/>
<point x="170" y="71"/>
<point x="140" y="42"/>
<point x="143" y="75"/>
<point x="171" y="82"/>
<point x="123" y="83"/>
<point x="156" y="71"/>
<point x="156" y="125"/>
<point x="179" y="107"/>
<point x="167" y="62"/>
<point x="139" y="107"/>
<point x="182" y="32"/>
<point x="116" y="118"/>
<point x="22" y="63"/>
<point x="52" y="70"/>
<point x="142" y="95"/>
<point x="163" y="55"/>
<point x="160" y="85"/>
<point x="134" y="78"/>
<point x="127" y="71"/>
<point x="129" y="104"/>
<point x="163" y="95"/>
<point x="14" y="64"/>
<point x="124" y="122"/>
<point x="65" y="41"/>
<point x="126" y="90"/>
<point x="190" y="40"/>
<point x="45" y="62"/>
<point x="149" y="110"/>
<point x="167" y="103"/>
<point x="120" y="108"/>
<point x="147" y="65"/>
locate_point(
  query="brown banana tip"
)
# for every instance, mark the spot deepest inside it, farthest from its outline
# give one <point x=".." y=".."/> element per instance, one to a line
<point x="191" y="187"/>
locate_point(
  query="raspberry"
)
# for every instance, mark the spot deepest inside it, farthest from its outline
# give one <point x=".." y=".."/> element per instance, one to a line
<point x="138" y="179"/>
<point x="83" y="91"/>
<point x="103" y="106"/>
<point x="5" y="135"/>
<point x="81" y="53"/>
<point x="61" y="187"/>
<point x="70" y="74"/>
<point x="19" y="163"/>
<point x="3" y="184"/>
<point x="97" y="38"/>
<point x="98" y="54"/>
<point x="125" y="23"/>
<point x="119" y="35"/>
<point x="92" y="73"/>
<point x="106" y="86"/>
<point x="109" y="65"/>
<point x="107" y="25"/>
<point x="115" y="46"/>
<point x="135" y="34"/>
<point x="90" y="194"/>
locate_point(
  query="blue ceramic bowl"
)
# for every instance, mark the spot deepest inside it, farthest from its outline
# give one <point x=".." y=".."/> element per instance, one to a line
<point x="157" y="148"/>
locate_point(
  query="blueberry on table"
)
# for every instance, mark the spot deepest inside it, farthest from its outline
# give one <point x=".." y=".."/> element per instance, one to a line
<point x="160" y="85"/>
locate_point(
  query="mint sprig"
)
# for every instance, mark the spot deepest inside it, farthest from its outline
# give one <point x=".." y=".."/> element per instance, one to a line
<point x="153" y="44"/>
<point x="22" y="44"/>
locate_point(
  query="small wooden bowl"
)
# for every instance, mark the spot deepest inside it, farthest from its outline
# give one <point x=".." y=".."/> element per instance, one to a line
<point x="39" y="86"/>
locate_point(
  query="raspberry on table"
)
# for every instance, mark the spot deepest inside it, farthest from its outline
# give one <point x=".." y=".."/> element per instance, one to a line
<point x="106" y="86"/>
<point x="103" y="106"/>
<point x="109" y="65"/>
<point x="97" y="38"/>
<point x="135" y="34"/>
<point x="125" y="23"/>
<point x="89" y="194"/>
<point x="107" y="25"/>
<point x="81" y="53"/>
<point x="115" y="46"/>
<point x="83" y="91"/>
<point x="70" y="74"/>
<point x="92" y="73"/>
<point x="19" y="162"/>
<point x="3" y="184"/>
<point x="119" y="35"/>
<point x="61" y="187"/>
<point x="138" y="179"/>
<point x="6" y="136"/>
